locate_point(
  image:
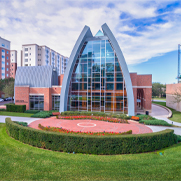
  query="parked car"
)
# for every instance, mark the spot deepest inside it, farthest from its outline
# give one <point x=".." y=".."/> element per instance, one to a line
<point x="1" y="100"/>
<point x="8" y="99"/>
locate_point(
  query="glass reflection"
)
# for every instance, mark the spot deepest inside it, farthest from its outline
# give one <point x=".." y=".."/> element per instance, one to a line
<point x="97" y="83"/>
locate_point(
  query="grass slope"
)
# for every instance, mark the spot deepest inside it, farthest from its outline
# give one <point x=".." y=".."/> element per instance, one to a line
<point x="6" y="113"/>
<point x="23" y="162"/>
<point x="176" y="114"/>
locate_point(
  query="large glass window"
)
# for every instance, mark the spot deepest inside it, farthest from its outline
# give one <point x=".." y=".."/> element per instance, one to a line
<point x="97" y="83"/>
<point x="36" y="102"/>
<point x="55" y="102"/>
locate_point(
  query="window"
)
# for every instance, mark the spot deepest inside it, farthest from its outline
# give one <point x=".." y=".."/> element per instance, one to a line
<point x="7" y="69"/>
<point x="3" y="51"/>
<point x="30" y="48"/>
<point x="12" y="55"/>
<point x="3" y="56"/>
<point x="36" y="102"/>
<point x="3" y="68"/>
<point x="26" y="54"/>
<point x="26" y="49"/>
<point x="55" y="102"/>
<point x="7" y="58"/>
<point x="3" y="62"/>
<point x="26" y="60"/>
<point x="29" y="64"/>
<point x="26" y="64"/>
<point x="12" y="69"/>
<point x="2" y="74"/>
<point x="12" y="65"/>
<point x="30" y="58"/>
<point x="3" y="45"/>
<point x="7" y="52"/>
<point x="30" y="53"/>
<point x="12" y="73"/>
<point x="7" y="75"/>
<point x="7" y="63"/>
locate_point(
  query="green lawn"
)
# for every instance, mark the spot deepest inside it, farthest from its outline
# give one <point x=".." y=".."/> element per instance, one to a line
<point x="6" y="113"/>
<point x="176" y="114"/>
<point x="23" y="162"/>
<point x="157" y="98"/>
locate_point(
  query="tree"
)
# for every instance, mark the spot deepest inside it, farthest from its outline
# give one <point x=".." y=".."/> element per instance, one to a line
<point x="9" y="89"/>
<point x="4" y="82"/>
<point x="177" y="98"/>
<point x="158" y="89"/>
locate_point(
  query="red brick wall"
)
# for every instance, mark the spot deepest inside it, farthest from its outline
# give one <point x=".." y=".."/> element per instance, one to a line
<point x="144" y="80"/>
<point x="13" y="68"/>
<point x="22" y="96"/>
<point x="139" y="81"/>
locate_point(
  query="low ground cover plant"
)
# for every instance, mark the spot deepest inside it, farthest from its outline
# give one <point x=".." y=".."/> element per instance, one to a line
<point x="21" y="123"/>
<point x="100" y="118"/>
<point x="42" y="114"/>
<point x="62" y="130"/>
<point x="32" y="111"/>
<point x="155" y="122"/>
<point x="149" y="120"/>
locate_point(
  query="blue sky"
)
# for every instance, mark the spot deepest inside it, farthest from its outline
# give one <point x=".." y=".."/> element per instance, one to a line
<point x="148" y="31"/>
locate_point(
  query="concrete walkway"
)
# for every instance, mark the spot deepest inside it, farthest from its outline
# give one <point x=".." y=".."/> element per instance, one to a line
<point x="161" y="113"/>
<point x="20" y="119"/>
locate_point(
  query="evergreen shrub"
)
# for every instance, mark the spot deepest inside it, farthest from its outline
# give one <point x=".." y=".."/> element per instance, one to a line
<point x="15" y="108"/>
<point x="104" y="145"/>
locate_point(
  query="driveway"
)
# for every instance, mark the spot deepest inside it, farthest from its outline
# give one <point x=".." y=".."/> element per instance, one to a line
<point x="20" y="119"/>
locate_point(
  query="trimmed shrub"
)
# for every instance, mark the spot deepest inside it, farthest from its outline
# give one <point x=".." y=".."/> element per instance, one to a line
<point x="88" y="113"/>
<point x="32" y="111"/>
<point x="155" y="122"/>
<point x="116" y="144"/>
<point x="15" y="108"/>
<point x="21" y="123"/>
<point x="42" y="114"/>
<point x="178" y="138"/>
<point x="2" y="109"/>
<point x="145" y="117"/>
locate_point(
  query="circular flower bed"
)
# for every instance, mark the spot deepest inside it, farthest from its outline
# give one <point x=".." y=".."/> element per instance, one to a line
<point x="61" y="130"/>
<point x="99" y="118"/>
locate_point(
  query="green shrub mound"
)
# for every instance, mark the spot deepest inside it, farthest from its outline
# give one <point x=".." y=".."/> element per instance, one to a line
<point x="122" y="144"/>
<point x="21" y="123"/>
<point x="32" y="111"/>
<point x="88" y="113"/>
<point x="149" y="120"/>
<point x="15" y="108"/>
<point x="42" y="114"/>
<point x="155" y="122"/>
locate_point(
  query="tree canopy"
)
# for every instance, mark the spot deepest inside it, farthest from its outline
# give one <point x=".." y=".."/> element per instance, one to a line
<point x="158" y="89"/>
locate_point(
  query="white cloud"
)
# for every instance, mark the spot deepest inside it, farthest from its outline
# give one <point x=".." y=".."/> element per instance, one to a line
<point x="58" y="24"/>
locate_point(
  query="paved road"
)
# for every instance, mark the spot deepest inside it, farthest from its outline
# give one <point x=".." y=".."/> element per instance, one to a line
<point x="159" y="111"/>
<point x="20" y="119"/>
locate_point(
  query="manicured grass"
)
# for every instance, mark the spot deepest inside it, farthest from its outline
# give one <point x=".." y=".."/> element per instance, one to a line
<point x="6" y="113"/>
<point x="23" y="162"/>
<point x="176" y="114"/>
<point x="157" y="98"/>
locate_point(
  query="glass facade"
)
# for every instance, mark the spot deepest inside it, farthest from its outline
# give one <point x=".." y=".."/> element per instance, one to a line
<point x="55" y="102"/>
<point x="97" y="82"/>
<point x="36" y="102"/>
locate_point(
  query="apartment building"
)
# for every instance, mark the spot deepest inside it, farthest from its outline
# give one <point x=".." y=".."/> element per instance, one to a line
<point x="4" y="58"/>
<point x="13" y="64"/>
<point x="35" y="55"/>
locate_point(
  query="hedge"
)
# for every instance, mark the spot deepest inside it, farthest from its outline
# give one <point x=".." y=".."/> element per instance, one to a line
<point x="15" y="108"/>
<point x="89" y="113"/>
<point x="42" y="114"/>
<point x="122" y="144"/>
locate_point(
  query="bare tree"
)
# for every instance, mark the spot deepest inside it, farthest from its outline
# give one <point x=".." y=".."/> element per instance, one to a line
<point x="177" y="97"/>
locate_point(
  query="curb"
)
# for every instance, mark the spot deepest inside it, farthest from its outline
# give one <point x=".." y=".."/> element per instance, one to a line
<point x="170" y="112"/>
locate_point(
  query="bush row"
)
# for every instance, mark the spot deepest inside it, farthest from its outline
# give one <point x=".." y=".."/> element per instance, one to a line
<point x="155" y="122"/>
<point x="42" y="114"/>
<point x="15" y="108"/>
<point x="88" y="113"/>
<point x="21" y="123"/>
<point x="120" y="144"/>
